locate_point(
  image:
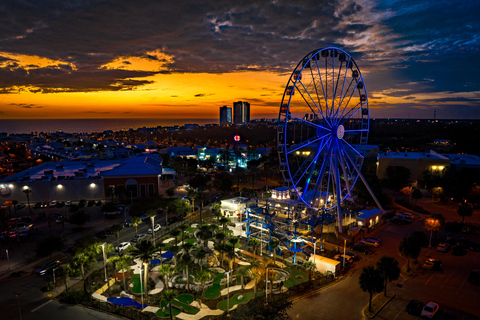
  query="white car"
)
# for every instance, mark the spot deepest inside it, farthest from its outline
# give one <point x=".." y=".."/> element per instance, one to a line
<point x="68" y="203"/>
<point x="123" y="246"/>
<point x="430" y="310"/>
<point x="53" y="204"/>
<point x="371" y="242"/>
<point x="140" y="237"/>
<point x="156" y="228"/>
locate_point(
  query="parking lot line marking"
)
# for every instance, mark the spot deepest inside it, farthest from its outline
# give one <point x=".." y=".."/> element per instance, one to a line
<point x="462" y="285"/>
<point x="400" y="312"/>
<point x="446" y="280"/>
<point x="42" y="305"/>
<point x="429" y="279"/>
<point x="444" y="311"/>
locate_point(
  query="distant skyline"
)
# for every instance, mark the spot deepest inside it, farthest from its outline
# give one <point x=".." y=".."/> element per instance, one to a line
<point x="163" y="59"/>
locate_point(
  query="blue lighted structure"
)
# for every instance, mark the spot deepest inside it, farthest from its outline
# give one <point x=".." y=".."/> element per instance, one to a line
<point x="322" y="130"/>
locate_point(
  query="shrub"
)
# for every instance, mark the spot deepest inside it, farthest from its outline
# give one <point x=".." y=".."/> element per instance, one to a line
<point x="74" y="296"/>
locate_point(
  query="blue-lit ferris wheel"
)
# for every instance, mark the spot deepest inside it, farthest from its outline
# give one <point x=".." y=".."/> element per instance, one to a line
<point x="323" y="128"/>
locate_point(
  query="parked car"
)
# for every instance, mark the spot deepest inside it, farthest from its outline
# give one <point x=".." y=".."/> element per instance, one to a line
<point x="37" y="205"/>
<point x="371" y="242"/>
<point x="20" y="206"/>
<point x="340" y="256"/>
<point x="98" y="203"/>
<point x="398" y="220"/>
<point x="414" y="307"/>
<point x="82" y="203"/>
<point x="360" y="248"/>
<point x="475" y="246"/>
<point x="459" y="250"/>
<point x="68" y="203"/>
<point x="44" y="204"/>
<point x="53" y="204"/>
<point x="91" y="203"/>
<point x="432" y="264"/>
<point x="156" y="228"/>
<point x="443" y="247"/>
<point x="48" y="266"/>
<point x="430" y="310"/>
<point x="123" y="246"/>
<point x="466" y="229"/>
<point x="140" y="237"/>
<point x="144" y="217"/>
<point x="128" y="223"/>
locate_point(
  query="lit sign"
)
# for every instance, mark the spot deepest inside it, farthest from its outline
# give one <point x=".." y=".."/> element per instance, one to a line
<point x="5" y="191"/>
<point x="236" y="138"/>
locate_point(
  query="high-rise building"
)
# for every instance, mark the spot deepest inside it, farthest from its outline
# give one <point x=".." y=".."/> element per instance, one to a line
<point x="241" y="112"/>
<point x="225" y="115"/>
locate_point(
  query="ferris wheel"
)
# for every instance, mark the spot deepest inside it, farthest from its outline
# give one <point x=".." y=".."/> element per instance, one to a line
<point x="323" y="128"/>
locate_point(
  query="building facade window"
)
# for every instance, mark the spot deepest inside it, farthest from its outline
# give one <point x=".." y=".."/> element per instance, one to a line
<point x="143" y="190"/>
<point x="151" y="189"/>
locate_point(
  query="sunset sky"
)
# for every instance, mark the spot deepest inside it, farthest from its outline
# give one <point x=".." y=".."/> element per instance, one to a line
<point x="173" y="59"/>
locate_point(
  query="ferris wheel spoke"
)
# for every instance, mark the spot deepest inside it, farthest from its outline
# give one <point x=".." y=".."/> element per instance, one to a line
<point x="315" y="86"/>
<point x="356" y="110"/>
<point x="349" y="98"/>
<point x="351" y="147"/>
<point x="343" y="88"/>
<point x="323" y="87"/>
<point x="300" y="168"/>
<point x="342" y="163"/>
<point x="356" y="130"/>
<point x="303" y="144"/>
<point x="308" y="122"/>
<point x="310" y="96"/>
<point x="321" y="173"/>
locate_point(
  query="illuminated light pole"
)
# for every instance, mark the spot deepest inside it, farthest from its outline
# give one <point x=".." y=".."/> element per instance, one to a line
<point x="344" y="250"/>
<point x="141" y="285"/>
<point x="228" y="292"/>
<point x="18" y="300"/>
<point x="104" y="262"/>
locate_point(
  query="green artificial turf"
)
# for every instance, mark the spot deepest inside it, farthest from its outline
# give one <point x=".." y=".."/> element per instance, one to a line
<point x="185" y="306"/>
<point x="214" y="290"/>
<point x="292" y="280"/>
<point x="185" y="298"/>
<point x="166" y="314"/>
<point x="222" y="305"/>
<point x="191" y="240"/>
<point x="136" y="284"/>
<point x="191" y="230"/>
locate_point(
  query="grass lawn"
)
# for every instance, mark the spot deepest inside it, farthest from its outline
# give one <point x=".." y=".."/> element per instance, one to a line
<point x="136" y="284"/>
<point x="191" y="241"/>
<point x="214" y="290"/>
<point x="166" y="314"/>
<point x="222" y="305"/>
<point x="190" y="230"/>
<point x="185" y="298"/>
<point x="296" y="277"/>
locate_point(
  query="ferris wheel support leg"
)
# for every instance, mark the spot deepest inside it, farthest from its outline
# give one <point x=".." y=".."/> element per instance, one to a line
<point x="366" y="184"/>
<point x="336" y="175"/>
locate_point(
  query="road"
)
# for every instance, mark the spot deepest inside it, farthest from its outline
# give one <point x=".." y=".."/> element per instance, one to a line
<point x="457" y="298"/>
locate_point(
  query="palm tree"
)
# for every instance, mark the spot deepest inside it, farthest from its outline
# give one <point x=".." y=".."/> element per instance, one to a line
<point x="274" y="244"/>
<point x="410" y="250"/>
<point x="203" y="276"/>
<point x="192" y="194"/>
<point x="389" y="270"/>
<point x="152" y="214"/>
<point x="309" y="265"/>
<point x="113" y="261"/>
<point x="255" y="243"/>
<point x="81" y="259"/>
<point x="255" y="274"/>
<point x="136" y="221"/>
<point x="243" y="272"/>
<point x="200" y="255"/>
<point x="161" y="246"/>
<point x="116" y="229"/>
<point x="175" y="250"/>
<point x="186" y="260"/>
<point x="169" y="296"/>
<point x="216" y="210"/>
<point x="434" y="223"/>
<point x="225" y="221"/>
<point x="175" y="233"/>
<point x="464" y="210"/>
<point x="124" y="263"/>
<point x="166" y="270"/>
<point x="64" y="272"/>
<point x="144" y="249"/>
<point x="183" y="228"/>
<point x="370" y="281"/>
<point x="233" y="241"/>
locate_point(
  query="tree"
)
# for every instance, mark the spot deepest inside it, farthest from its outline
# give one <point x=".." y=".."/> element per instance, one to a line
<point x="310" y="266"/>
<point x="433" y="224"/>
<point x="124" y="263"/>
<point x="170" y="192"/>
<point x="389" y="270"/>
<point x="152" y="214"/>
<point x="255" y="273"/>
<point x="216" y="210"/>
<point x="203" y="276"/>
<point x="186" y="260"/>
<point x="417" y="195"/>
<point x="274" y="244"/>
<point x="409" y="249"/>
<point x="116" y="229"/>
<point x="225" y="221"/>
<point x="200" y="255"/>
<point x="233" y="241"/>
<point x="255" y="243"/>
<point x="175" y="233"/>
<point x="370" y="281"/>
<point x="81" y="259"/>
<point x="407" y="191"/>
<point x="256" y="309"/>
<point x="169" y="296"/>
<point x="243" y="272"/>
<point x="183" y="228"/>
<point x="166" y="271"/>
<point x="79" y="218"/>
<point x="136" y="221"/>
<point x="464" y="210"/>
<point x="64" y="272"/>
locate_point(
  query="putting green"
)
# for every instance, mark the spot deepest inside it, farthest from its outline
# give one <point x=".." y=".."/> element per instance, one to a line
<point x="222" y="305"/>
<point x="214" y="290"/>
<point x="166" y="314"/>
<point x="296" y="277"/>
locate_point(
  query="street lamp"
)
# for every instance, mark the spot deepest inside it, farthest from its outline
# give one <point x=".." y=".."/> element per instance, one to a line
<point x="344" y="250"/>
<point x="27" y="191"/>
<point x="141" y="285"/>
<point x="18" y="300"/>
<point x="104" y="262"/>
<point x="228" y="292"/>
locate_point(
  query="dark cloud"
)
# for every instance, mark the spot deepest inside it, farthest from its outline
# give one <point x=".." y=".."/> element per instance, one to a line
<point x="199" y="95"/>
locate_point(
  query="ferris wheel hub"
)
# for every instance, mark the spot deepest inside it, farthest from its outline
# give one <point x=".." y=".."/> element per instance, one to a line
<point x="340" y="131"/>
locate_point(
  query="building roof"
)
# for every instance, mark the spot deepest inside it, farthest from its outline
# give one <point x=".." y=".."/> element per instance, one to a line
<point x="365" y="214"/>
<point x="136" y="166"/>
<point x="413" y="155"/>
<point x="463" y="159"/>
